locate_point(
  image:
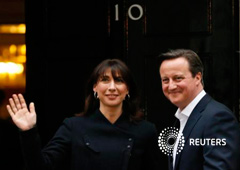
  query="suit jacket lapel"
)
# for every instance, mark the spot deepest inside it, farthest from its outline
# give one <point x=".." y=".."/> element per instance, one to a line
<point x="192" y="120"/>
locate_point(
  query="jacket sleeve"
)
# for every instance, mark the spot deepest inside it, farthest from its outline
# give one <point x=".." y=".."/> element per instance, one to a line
<point x="52" y="155"/>
<point x="223" y="148"/>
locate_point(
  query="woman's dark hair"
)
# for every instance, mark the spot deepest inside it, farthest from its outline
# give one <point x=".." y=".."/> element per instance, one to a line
<point x="130" y="104"/>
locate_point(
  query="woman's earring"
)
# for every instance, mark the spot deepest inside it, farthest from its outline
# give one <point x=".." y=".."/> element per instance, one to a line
<point x="128" y="96"/>
<point x="95" y="95"/>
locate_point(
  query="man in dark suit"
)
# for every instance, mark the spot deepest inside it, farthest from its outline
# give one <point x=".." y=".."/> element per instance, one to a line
<point x="211" y="131"/>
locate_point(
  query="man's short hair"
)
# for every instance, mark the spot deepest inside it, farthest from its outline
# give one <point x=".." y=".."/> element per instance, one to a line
<point x="195" y="63"/>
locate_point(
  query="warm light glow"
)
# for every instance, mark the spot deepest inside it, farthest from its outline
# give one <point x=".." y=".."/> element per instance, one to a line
<point x="5" y="52"/>
<point x="13" y="49"/>
<point x="22" y="28"/>
<point x="22" y="49"/>
<point x="11" y="68"/>
<point x="13" y="28"/>
<point x="12" y="56"/>
<point x="13" y="53"/>
<point x="21" y="59"/>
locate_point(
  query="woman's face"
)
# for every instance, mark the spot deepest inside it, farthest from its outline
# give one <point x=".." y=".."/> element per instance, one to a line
<point x="111" y="91"/>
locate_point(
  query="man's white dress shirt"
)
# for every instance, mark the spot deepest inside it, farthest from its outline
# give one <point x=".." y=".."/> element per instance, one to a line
<point x="182" y="116"/>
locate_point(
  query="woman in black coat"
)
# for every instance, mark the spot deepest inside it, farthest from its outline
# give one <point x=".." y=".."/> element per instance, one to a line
<point x="109" y="135"/>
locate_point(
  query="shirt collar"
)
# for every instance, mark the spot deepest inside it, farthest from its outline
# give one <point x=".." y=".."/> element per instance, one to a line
<point x="185" y="113"/>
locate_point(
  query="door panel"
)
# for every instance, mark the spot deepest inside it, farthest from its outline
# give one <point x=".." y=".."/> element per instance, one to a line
<point x="178" y="17"/>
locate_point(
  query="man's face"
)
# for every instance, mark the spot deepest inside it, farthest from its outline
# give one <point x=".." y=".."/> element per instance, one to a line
<point x="178" y="85"/>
